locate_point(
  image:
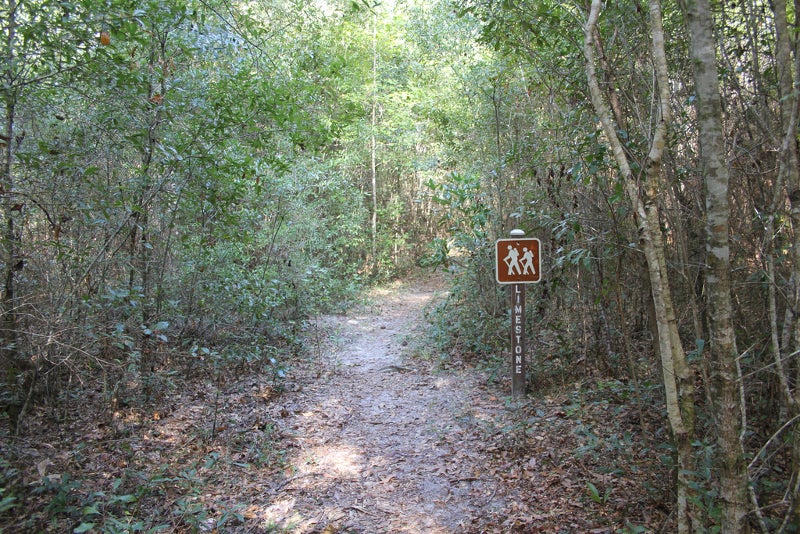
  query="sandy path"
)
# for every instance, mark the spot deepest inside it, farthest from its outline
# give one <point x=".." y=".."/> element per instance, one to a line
<point x="360" y="438"/>
<point x="383" y="444"/>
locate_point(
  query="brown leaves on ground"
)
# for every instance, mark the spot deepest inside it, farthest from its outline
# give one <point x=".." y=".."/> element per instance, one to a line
<point x="359" y="438"/>
<point x="572" y="463"/>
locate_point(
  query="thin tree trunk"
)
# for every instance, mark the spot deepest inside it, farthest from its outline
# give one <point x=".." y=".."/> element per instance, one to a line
<point x="676" y="374"/>
<point x="723" y="361"/>
<point x="495" y="183"/>
<point x="788" y="176"/>
<point x="373" y="144"/>
<point x="9" y="242"/>
<point x="12" y="363"/>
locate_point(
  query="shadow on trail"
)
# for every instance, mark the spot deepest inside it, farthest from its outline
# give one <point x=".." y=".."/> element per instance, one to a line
<point x="382" y="444"/>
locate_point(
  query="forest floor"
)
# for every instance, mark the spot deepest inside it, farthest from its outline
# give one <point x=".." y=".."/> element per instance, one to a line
<point x="366" y="436"/>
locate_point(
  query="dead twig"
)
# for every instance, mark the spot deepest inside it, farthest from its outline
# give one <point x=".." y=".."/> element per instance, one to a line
<point x="464" y="479"/>
<point x="490" y="499"/>
<point x="359" y="509"/>
<point x="288" y="481"/>
<point x="398" y="368"/>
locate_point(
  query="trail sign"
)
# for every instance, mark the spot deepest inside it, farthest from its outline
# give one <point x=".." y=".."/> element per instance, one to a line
<point x="517" y="260"/>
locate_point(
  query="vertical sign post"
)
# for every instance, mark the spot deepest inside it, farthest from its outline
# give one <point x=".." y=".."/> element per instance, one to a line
<point x="517" y="262"/>
<point x="518" y="340"/>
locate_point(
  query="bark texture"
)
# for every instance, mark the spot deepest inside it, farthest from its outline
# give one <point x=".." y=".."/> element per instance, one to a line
<point x="643" y="191"/>
<point x="723" y="358"/>
<point x="788" y="182"/>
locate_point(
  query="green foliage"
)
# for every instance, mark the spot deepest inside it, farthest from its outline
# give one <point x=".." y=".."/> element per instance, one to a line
<point x="470" y="321"/>
<point x="704" y="493"/>
<point x="9" y="480"/>
<point x="464" y="323"/>
<point x="158" y="498"/>
<point x="185" y="183"/>
<point x="596" y="495"/>
<point x="178" y="181"/>
<point x="124" y="506"/>
<point x="465" y="211"/>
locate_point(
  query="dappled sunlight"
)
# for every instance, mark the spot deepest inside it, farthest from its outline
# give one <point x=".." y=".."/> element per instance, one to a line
<point x="281" y="513"/>
<point x="334" y="460"/>
<point x="375" y="446"/>
<point x="443" y="382"/>
<point x="251" y="283"/>
<point x="350" y="484"/>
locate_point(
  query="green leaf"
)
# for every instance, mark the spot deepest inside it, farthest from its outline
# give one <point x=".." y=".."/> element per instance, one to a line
<point x="83" y="527"/>
<point x="594" y="493"/>
<point x="127" y="499"/>
<point x="7" y="503"/>
<point x="90" y="510"/>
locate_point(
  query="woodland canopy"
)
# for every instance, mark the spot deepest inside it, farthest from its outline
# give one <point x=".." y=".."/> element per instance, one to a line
<point x="185" y="183"/>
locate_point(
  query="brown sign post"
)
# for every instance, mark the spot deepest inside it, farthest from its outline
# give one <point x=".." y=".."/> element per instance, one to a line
<point x="517" y="262"/>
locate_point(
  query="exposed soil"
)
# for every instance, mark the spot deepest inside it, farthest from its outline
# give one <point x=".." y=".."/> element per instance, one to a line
<point x="363" y="437"/>
<point x="384" y="443"/>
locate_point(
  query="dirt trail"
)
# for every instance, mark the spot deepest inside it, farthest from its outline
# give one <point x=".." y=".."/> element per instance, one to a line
<point x="361" y="438"/>
<point x="383" y="443"/>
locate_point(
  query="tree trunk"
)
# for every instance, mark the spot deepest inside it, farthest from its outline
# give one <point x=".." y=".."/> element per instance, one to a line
<point x="723" y="362"/>
<point x="373" y="145"/>
<point x="788" y="176"/>
<point x="9" y="241"/>
<point x="676" y="373"/>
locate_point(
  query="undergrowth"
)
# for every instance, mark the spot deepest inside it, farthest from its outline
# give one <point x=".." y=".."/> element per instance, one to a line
<point x="588" y="446"/>
<point x="149" y="465"/>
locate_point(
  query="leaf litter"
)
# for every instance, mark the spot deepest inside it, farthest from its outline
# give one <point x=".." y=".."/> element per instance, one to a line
<point x="363" y="437"/>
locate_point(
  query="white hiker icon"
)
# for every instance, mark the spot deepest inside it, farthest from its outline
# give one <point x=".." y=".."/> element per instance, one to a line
<point x="527" y="261"/>
<point x="517" y="260"/>
<point x="512" y="260"/>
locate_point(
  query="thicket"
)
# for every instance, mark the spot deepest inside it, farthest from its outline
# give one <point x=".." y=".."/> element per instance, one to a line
<point x="184" y="183"/>
<point x="548" y="169"/>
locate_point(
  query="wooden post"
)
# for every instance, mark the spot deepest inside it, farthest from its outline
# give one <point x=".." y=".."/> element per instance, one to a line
<point x="518" y="340"/>
<point x="517" y="333"/>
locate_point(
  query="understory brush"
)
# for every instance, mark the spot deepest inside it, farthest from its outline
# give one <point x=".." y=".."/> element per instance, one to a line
<point x="589" y="446"/>
<point x="180" y="461"/>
